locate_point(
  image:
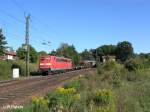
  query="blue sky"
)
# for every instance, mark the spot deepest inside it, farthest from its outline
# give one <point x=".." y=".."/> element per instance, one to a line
<point x="84" y="23"/>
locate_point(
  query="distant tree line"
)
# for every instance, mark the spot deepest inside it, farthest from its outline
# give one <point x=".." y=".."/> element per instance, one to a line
<point x="68" y="51"/>
<point x="122" y="51"/>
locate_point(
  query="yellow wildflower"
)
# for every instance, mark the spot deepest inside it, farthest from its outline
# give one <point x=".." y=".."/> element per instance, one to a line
<point x="66" y="91"/>
<point x="77" y="97"/>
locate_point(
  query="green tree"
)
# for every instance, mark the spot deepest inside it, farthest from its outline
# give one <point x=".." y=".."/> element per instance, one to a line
<point x="87" y="55"/>
<point x="67" y="51"/>
<point x="3" y="42"/>
<point x="42" y="53"/>
<point x="33" y="55"/>
<point x="54" y="53"/>
<point x="21" y="53"/>
<point x="124" y="50"/>
<point x="104" y="50"/>
<point x="109" y="49"/>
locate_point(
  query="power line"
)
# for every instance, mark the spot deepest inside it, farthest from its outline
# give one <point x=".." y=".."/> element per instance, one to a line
<point x="16" y="35"/>
<point x="18" y="5"/>
<point x="45" y="25"/>
<point x="21" y="8"/>
<point x="11" y="16"/>
<point x="20" y="21"/>
<point x="35" y="18"/>
<point x="38" y="30"/>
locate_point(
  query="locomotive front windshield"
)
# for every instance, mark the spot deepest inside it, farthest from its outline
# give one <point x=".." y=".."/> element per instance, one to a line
<point x="45" y="60"/>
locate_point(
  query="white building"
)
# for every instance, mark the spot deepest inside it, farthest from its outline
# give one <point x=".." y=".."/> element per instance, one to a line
<point x="10" y="54"/>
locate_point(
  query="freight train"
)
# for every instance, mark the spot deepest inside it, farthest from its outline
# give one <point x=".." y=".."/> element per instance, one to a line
<point x="54" y="64"/>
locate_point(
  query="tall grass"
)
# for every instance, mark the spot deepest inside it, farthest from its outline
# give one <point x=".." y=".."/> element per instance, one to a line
<point x="112" y="88"/>
<point x="5" y="70"/>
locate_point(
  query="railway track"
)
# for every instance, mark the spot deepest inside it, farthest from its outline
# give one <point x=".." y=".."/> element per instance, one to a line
<point x="19" y="92"/>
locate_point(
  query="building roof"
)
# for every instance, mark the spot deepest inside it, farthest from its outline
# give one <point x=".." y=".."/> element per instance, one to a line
<point x="13" y="53"/>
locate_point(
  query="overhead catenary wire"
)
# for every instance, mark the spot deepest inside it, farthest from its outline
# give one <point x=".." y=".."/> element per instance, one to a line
<point x="24" y="11"/>
<point x="38" y="21"/>
<point x="20" y="21"/>
<point x="45" y="25"/>
<point x="11" y="16"/>
<point x="5" y="30"/>
<point x="32" y="26"/>
<point x="18" y="5"/>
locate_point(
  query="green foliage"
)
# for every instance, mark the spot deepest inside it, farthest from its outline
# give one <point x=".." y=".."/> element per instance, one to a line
<point x="132" y="65"/>
<point x="111" y="66"/>
<point x="103" y="51"/>
<point x="124" y="50"/>
<point x="73" y="84"/>
<point x="21" y="53"/>
<point x="63" y="99"/>
<point x="40" y="104"/>
<point x="103" y="97"/>
<point x="54" y="53"/>
<point x="6" y="68"/>
<point x="67" y="51"/>
<point x="112" y="72"/>
<point x="132" y="76"/>
<point x="41" y="53"/>
<point x="15" y="65"/>
<point x="111" y="89"/>
<point x="137" y="63"/>
<point x="33" y="55"/>
<point x="3" y="42"/>
<point x="107" y="49"/>
<point x="104" y="101"/>
<point x="87" y="55"/>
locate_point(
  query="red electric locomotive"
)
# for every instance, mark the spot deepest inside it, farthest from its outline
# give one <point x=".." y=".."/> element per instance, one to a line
<point x="52" y="64"/>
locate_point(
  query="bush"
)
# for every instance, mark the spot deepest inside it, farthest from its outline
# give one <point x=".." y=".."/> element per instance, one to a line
<point x="107" y="66"/>
<point x="6" y="68"/>
<point x="103" y="97"/>
<point x="22" y="66"/>
<point x="63" y="99"/>
<point x="132" y="76"/>
<point x="137" y="63"/>
<point x="73" y="84"/>
<point x="112" y="72"/>
<point x="40" y="104"/>
<point x="104" y="101"/>
<point x="132" y="65"/>
<point x="15" y="65"/>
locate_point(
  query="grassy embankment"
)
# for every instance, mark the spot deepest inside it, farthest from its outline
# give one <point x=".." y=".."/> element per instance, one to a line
<point x="112" y="88"/>
<point x="6" y="69"/>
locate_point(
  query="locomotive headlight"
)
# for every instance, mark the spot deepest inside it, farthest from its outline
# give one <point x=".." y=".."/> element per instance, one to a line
<point x="41" y="64"/>
<point x="48" y="63"/>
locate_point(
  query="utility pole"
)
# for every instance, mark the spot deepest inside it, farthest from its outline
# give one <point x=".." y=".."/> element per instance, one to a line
<point x="27" y="44"/>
